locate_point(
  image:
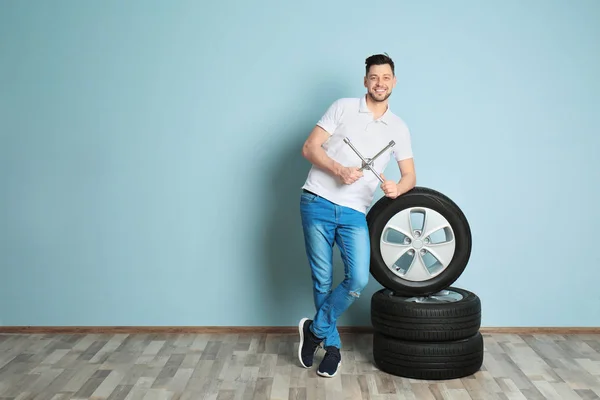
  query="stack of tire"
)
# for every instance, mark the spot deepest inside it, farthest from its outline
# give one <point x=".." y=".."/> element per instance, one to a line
<point x="424" y="328"/>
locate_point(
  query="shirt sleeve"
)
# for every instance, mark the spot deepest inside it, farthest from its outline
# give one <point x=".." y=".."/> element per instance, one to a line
<point x="332" y="117"/>
<point x="403" y="147"/>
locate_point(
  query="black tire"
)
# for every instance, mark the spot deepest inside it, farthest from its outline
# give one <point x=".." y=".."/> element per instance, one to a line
<point x="428" y="360"/>
<point x="403" y="318"/>
<point x="426" y="199"/>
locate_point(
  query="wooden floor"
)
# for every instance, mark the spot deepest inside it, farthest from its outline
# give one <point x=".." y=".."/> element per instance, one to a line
<point x="264" y="366"/>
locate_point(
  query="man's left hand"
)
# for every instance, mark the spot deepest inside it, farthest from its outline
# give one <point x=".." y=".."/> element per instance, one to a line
<point x="389" y="187"/>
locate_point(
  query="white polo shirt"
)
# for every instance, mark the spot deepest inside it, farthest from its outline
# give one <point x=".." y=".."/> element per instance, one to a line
<point x="351" y="118"/>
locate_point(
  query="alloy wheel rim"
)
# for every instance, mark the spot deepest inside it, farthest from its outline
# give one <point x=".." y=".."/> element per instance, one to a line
<point x="417" y="244"/>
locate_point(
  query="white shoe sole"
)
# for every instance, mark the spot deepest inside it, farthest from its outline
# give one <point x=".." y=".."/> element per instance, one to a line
<point x="301" y="330"/>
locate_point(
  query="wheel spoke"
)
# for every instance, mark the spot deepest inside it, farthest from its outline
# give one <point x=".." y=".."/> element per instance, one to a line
<point x="401" y="223"/>
<point x="444" y="252"/>
<point x="418" y="270"/>
<point x="434" y="221"/>
<point x="392" y="252"/>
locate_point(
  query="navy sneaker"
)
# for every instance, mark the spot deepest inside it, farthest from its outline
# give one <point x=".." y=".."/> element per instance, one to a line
<point x="309" y="343"/>
<point x="331" y="362"/>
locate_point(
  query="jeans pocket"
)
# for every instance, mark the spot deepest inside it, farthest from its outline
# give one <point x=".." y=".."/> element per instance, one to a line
<point x="307" y="198"/>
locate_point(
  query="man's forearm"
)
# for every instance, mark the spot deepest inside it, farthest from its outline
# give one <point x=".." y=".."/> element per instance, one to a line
<point x="406" y="183"/>
<point x="319" y="158"/>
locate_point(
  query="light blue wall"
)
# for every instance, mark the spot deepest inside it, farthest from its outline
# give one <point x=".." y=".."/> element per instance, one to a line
<point x="150" y="152"/>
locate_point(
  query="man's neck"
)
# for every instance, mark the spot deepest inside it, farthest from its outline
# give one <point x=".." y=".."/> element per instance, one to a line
<point x="377" y="108"/>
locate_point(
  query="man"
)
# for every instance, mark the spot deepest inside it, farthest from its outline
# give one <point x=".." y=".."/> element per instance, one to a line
<point x="335" y="198"/>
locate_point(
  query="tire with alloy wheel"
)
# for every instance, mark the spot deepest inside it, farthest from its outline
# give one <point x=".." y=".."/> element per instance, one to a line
<point x="420" y="242"/>
<point x="428" y="360"/>
<point x="451" y="314"/>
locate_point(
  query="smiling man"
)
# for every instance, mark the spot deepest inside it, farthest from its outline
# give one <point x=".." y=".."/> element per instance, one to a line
<point x="336" y="196"/>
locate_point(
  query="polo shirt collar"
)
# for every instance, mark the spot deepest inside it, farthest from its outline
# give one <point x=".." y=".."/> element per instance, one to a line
<point x="365" y="109"/>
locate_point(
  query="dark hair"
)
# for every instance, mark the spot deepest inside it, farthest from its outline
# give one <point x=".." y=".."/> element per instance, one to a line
<point x="378" y="59"/>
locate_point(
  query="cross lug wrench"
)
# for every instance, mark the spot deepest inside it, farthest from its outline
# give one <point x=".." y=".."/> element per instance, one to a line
<point x="368" y="163"/>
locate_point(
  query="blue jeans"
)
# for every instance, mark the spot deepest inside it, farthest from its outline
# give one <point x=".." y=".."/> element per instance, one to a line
<point x="325" y="224"/>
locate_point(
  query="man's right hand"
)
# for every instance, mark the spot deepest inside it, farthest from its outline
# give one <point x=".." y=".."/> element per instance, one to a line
<point x="349" y="175"/>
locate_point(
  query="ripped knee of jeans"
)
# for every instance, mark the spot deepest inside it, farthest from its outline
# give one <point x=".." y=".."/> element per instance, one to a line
<point x="355" y="287"/>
